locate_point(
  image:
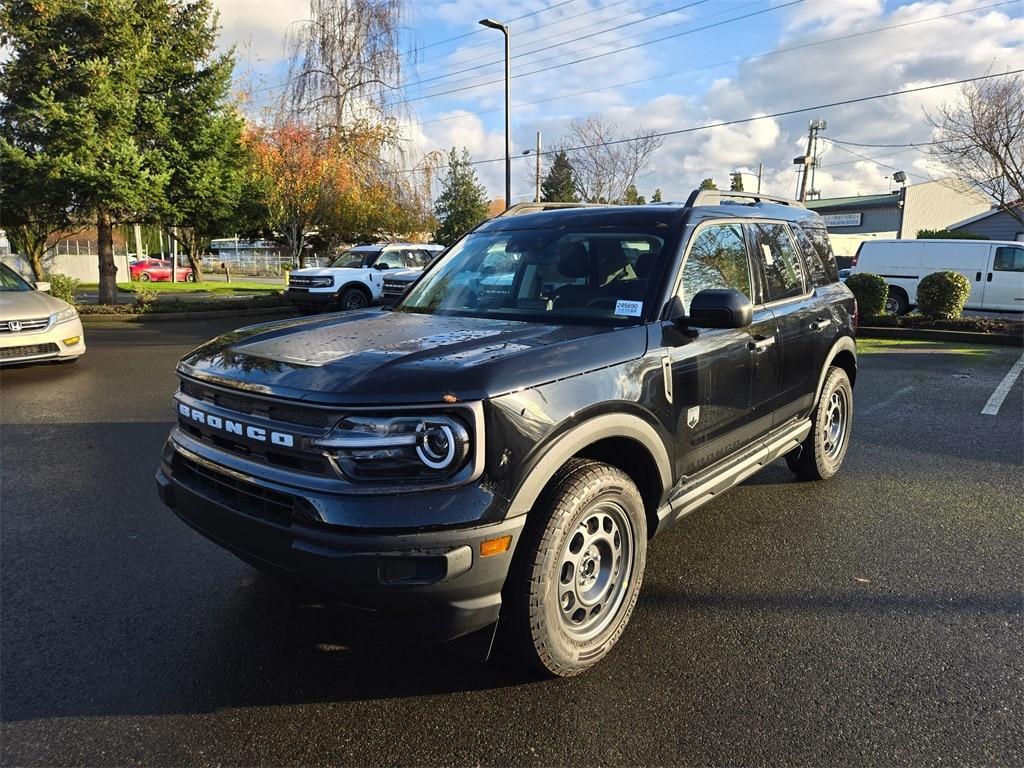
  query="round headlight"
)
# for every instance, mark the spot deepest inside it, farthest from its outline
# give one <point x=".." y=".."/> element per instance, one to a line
<point x="438" y="445"/>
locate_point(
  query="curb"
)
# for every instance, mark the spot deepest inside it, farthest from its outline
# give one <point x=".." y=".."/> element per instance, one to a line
<point x="160" y="317"/>
<point x="932" y="334"/>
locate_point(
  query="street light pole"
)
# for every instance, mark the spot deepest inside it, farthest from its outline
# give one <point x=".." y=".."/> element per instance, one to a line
<point x="492" y="24"/>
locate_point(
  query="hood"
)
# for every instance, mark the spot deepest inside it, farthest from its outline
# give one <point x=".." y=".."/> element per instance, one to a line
<point x="27" y="305"/>
<point x="378" y="357"/>
<point x="404" y="275"/>
<point x="327" y="271"/>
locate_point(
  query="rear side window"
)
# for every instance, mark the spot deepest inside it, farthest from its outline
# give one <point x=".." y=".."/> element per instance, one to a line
<point x="813" y="242"/>
<point x="717" y="259"/>
<point x="1009" y="258"/>
<point x="783" y="271"/>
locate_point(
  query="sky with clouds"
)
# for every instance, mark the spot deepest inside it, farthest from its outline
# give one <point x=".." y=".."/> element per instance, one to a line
<point x="676" y="64"/>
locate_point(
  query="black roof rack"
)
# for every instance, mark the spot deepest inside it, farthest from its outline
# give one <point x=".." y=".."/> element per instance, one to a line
<point x="715" y="197"/>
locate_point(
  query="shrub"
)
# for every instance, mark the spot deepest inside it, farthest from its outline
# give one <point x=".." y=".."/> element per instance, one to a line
<point x="870" y="290"/>
<point x="942" y="295"/>
<point x="144" y="297"/>
<point x="945" y="234"/>
<point x="63" y="287"/>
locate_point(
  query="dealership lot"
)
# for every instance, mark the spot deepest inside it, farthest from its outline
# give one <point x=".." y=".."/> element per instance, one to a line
<point x="875" y="618"/>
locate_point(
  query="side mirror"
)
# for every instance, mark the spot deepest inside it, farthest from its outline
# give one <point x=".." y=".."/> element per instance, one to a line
<point x="382" y="266"/>
<point x="720" y="308"/>
<point x="43" y="286"/>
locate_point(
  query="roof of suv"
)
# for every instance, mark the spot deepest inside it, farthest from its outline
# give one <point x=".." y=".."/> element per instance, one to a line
<point x="383" y="246"/>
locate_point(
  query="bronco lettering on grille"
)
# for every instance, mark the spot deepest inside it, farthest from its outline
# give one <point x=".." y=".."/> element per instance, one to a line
<point x="236" y="427"/>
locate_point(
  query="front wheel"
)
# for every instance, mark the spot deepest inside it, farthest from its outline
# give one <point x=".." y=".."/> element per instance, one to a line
<point x="145" y="277"/>
<point x="190" y="277"/>
<point x="353" y="298"/>
<point x="823" y="450"/>
<point x="578" y="570"/>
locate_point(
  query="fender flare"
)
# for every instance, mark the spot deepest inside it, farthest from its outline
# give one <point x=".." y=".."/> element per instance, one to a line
<point x="368" y="290"/>
<point x="570" y="443"/>
<point x="842" y="344"/>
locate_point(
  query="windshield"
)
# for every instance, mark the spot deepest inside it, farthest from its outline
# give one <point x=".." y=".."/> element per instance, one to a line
<point x="564" y="275"/>
<point x="11" y="281"/>
<point x="355" y="259"/>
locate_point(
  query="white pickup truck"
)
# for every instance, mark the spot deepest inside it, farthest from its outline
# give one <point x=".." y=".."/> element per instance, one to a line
<point x="355" y="279"/>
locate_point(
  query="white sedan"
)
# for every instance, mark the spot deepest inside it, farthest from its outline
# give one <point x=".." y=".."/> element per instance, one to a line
<point x="34" y="325"/>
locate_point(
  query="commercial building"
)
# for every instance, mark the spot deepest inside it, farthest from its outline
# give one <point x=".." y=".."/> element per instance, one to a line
<point x="897" y="215"/>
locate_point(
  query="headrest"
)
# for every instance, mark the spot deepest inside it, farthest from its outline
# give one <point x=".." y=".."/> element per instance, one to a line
<point x="645" y="264"/>
<point x="574" y="262"/>
<point x="610" y="255"/>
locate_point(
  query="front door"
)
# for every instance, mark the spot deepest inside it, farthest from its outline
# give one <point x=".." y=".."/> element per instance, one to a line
<point x="723" y="380"/>
<point x="1004" y="283"/>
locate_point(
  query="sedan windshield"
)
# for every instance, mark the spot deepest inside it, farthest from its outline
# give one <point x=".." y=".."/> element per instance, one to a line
<point x="355" y="259"/>
<point x="11" y="281"/>
<point x="598" y="275"/>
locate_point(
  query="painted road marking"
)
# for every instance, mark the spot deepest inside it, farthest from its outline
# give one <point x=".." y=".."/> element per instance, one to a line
<point x="888" y="401"/>
<point x="992" y="406"/>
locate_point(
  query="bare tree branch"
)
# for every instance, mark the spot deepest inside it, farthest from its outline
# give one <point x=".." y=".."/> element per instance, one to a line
<point x="603" y="173"/>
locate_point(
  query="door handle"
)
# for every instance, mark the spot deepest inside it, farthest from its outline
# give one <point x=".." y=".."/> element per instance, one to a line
<point x="990" y="277"/>
<point x="760" y="345"/>
<point x="820" y="325"/>
<point x="977" y="277"/>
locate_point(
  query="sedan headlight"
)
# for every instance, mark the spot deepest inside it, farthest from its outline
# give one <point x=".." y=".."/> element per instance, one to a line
<point x="64" y="316"/>
<point x="374" y="448"/>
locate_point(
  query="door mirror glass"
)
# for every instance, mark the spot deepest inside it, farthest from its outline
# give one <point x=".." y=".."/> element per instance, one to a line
<point x="720" y="308"/>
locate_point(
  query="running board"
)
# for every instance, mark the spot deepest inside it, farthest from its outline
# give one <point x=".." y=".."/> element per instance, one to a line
<point x="720" y="477"/>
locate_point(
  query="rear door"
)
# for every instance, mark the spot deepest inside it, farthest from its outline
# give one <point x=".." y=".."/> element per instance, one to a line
<point x="789" y="296"/>
<point x="1004" y="281"/>
<point x="723" y="380"/>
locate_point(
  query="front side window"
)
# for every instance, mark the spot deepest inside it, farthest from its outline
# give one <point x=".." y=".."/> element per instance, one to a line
<point x="391" y="260"/>
<point x="354" y="259"/>
<point x="552" y="275"/>
<point x="11" y="280"/>
<point x="717" y="259"/>
<point x="782" y="269"/>
<point x="1009" y="258"/>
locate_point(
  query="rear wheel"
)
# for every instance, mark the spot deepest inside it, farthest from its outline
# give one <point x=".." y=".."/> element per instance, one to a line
<point x="823" y="450"/>
<point x="578" y="570"/>
<point x="896" y="303"/>
<point x="190" y="277"/>
<point x="145" y="277"/>
<point x="353" y="298"/>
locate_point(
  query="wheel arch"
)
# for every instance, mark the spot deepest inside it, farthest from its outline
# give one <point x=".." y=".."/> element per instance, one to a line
<point x="356" y="284"/>
<point x="843" y="354"/>
<point x="622" y="440"/>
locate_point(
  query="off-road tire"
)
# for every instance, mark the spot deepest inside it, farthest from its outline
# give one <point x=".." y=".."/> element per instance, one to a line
<point x="536" y="627"/>
<point x="353" y="298"/>
<point x="822" y="453"/>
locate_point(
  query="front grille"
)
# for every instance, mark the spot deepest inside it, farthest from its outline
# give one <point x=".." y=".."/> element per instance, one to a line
<point x="35" y="324"/>
<point x="29" y="350"/>
<point x="241" y="403"/>
<point x="239" y="495"/>
<point x="391" y="286"/>
<point x="299" y="281"/>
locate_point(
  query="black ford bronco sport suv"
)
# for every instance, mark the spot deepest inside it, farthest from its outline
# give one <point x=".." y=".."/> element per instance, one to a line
<point x="501" y="444"/>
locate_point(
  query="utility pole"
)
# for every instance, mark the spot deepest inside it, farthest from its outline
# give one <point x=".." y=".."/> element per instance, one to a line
<point x="537" y="194"/>
<point x="760" y="173"/>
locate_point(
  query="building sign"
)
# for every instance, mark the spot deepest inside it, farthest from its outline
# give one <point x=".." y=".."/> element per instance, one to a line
<point x="842" y="219"/>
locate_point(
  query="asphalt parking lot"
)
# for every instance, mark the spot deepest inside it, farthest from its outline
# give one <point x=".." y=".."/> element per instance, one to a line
<point x="873" y="619"/>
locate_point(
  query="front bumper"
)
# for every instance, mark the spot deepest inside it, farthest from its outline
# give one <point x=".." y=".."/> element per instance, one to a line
<point x="47" y="344"/>
<point x="434" y="584"/>
<point x="307" y="299"/>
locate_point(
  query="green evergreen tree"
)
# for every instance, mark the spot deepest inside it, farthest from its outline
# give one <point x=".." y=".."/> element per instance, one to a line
<point x="656" y="197"/>
<point x="463" y="200"/>
<point x="736" y="182"/>
<point x="559" y="186"/>
<point x="632" y="197"/>
<point x="708" y="183"/>
<point x="102" y="115"/>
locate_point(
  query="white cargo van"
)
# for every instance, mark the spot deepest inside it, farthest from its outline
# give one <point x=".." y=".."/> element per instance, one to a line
<point x="995" y="269"/>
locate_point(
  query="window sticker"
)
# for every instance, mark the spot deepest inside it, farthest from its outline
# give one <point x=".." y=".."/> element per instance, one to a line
<point x="629" y="308"/>
<point x="767" y="251"/>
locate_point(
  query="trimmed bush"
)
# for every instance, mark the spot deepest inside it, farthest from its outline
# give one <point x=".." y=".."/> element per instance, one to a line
<point x="870" y="290"/>
<point x="63" y="287"/>
<point x="945" y="234"/>
<point x="942" y="295"/>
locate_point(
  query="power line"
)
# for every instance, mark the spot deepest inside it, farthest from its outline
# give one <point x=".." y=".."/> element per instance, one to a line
<point x="745" y="120"/>
<point x="884" y="146"/>
<point x="601" y="55"/>
<point x="727" y="62"/>
<point x="674" y="9"/>
<point x="881" y="164"/>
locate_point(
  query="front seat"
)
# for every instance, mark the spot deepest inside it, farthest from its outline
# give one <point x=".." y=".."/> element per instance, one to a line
<point x="574" y="263"/>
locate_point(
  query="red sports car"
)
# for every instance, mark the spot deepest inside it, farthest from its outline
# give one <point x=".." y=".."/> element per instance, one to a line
<point x="159" y="270"/>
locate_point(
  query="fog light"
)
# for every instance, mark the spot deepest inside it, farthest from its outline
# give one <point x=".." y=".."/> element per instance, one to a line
<point x="73" y="340"/>
<point x="495" y="546"/>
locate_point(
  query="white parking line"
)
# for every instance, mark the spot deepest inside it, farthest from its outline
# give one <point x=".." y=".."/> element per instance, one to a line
<point x="992" y="406"/>
<point x="887" y="402"/>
